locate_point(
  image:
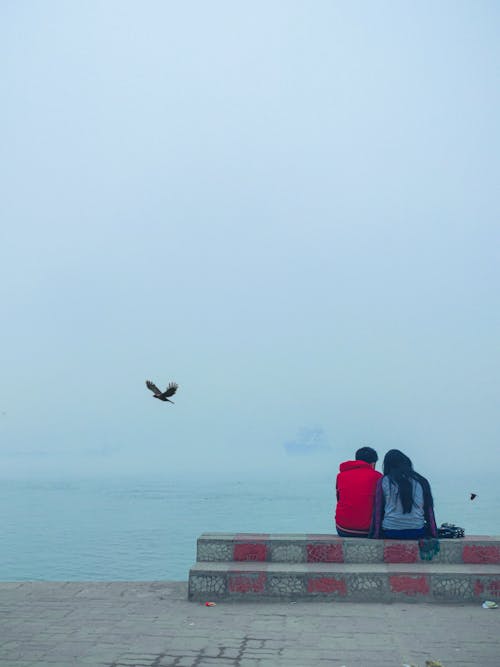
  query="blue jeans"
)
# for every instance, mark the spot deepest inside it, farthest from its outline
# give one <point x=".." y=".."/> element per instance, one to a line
<point x="412" y="534"/>
<point x="346" y="533"/>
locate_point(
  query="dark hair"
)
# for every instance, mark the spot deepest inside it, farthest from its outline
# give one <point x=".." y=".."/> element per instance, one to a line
<point x="399" y="469"/>
<point x="367" y="454"/>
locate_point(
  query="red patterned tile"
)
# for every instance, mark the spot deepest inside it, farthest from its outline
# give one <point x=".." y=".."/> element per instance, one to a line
<point x="326" y="585"/>
<point x="400" y="553"/>
<point x="325" y="553"/>
<point x="254" y="582"/>
<point x="255" y="551"/>
<point x="478" y="588"/>
<point x="410" y="585"/>
<point x="494" y="588"/>
<point x="476" y="553"/>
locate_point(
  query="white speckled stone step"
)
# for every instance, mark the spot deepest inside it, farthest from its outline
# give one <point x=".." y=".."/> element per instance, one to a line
<point x="312" y="548"/>
<point x="381" y="582"/>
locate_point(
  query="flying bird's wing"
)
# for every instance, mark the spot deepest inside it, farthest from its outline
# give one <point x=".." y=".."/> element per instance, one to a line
<point x="153" y="387"/>
<point x="171" y="389"/>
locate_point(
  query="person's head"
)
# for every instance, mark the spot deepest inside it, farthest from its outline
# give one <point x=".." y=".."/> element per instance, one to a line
<point x="397" y="463"/>
<point x="368" y="455"/>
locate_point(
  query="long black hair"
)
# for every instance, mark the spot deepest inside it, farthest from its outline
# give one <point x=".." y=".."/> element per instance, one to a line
<point x="399" y="469"/>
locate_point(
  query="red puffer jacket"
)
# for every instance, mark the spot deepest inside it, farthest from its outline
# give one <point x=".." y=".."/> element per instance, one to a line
<point x="356" y="484"/>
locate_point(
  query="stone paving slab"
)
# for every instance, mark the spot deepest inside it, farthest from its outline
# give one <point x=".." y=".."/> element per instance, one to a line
<point x="151" y="624"/>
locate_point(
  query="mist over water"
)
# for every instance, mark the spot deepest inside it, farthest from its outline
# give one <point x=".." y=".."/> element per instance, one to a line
<point x="146" y="529"/>
<point x="291" y="209"/>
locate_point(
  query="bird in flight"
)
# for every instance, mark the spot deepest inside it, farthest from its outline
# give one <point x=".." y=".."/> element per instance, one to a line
<point x="473" y="495"/>
<point x="162" y="395"/>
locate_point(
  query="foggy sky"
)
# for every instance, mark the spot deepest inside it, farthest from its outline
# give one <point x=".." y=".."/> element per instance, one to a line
<point x="290" y="208"/>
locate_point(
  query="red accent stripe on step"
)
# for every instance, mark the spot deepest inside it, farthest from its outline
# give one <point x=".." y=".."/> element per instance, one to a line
<point x="400" y="553"/>
<point x="410" y="585"/>
<point x="250" y="551"/>
<point x="325" y="553"/>
<point x="326" y="585"/>
<point x="476" y="553"/>
<point x="247" y="583"/>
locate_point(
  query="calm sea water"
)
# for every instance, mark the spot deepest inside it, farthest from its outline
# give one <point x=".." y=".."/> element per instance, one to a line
<point x="109" y="529"/>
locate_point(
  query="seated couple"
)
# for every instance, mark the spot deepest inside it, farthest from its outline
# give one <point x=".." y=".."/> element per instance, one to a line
<point x="396" y="505"/>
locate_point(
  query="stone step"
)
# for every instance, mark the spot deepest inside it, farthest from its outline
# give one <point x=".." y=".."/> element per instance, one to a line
<point x="353" y="582"/>
<point x="312" y="548"/>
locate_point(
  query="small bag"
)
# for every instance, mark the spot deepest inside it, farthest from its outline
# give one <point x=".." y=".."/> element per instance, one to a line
<point x="429" y="547"/>
<point x="450" y="531"/>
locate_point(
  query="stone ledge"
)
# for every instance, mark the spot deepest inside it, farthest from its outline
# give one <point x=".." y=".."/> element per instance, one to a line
<point x="311" y="548"/>
<point x="381" y="582"/>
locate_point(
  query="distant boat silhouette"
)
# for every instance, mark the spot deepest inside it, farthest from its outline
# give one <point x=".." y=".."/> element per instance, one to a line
<point x="310" y="444"/>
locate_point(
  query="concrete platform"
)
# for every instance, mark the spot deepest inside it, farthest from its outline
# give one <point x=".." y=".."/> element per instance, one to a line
<point x="152" y="624"/>
<point x="241" y="566"/>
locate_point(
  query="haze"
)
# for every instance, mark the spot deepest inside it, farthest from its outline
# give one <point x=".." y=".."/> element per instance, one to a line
<point x="289" y="208"/>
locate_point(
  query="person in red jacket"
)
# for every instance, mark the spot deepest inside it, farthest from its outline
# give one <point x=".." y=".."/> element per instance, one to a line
<point x="356" y="483"/>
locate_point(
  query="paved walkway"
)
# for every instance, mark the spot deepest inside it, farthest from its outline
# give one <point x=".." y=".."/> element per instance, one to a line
<point x="153" y="625"/>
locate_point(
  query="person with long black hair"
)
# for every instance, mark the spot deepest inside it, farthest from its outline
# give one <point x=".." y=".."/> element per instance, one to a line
<point x="403" y="507"/>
